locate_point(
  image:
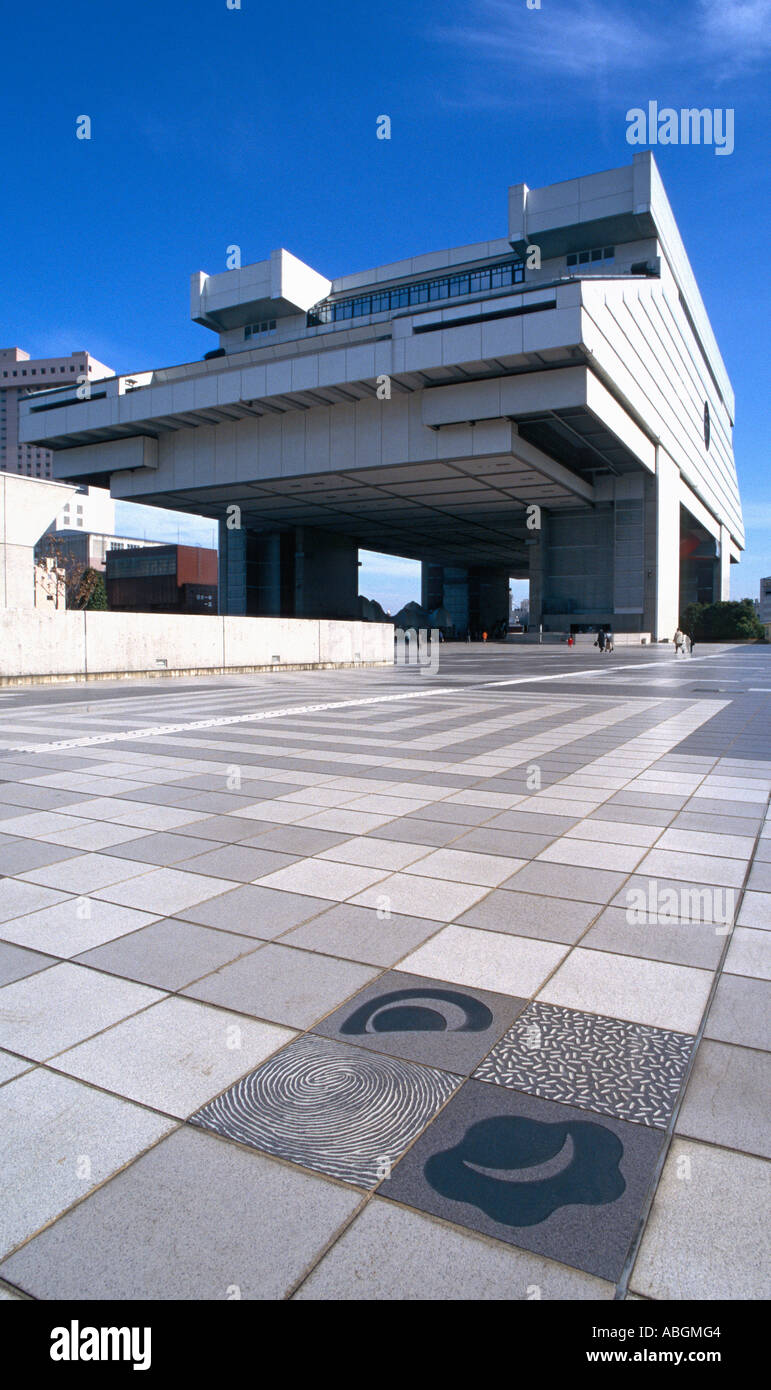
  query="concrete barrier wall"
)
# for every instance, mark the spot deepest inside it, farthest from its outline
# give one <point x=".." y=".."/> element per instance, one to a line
<point x="87" y="645"/>
<point x="37" y="643"/>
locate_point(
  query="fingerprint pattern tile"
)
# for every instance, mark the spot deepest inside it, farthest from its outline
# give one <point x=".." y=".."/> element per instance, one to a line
<point x="331" y="1107"/>
<point x="629" y="1070"/>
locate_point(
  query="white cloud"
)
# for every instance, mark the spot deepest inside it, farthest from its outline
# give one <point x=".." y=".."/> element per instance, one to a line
<point x="587" y="39"/>
<point x="578" y="38"/>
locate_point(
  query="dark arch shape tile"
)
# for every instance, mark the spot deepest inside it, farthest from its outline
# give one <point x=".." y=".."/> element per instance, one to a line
<point x="424" y="1020"/>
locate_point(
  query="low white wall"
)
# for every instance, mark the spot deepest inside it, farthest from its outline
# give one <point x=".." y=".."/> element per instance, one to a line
<point x="79" y="644"/>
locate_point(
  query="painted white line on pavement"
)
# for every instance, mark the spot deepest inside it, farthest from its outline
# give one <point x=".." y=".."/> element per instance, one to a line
<point x="89" y="741"/>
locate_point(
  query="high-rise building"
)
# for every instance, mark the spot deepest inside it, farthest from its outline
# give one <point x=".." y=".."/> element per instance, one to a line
<point x="21" y="374"/>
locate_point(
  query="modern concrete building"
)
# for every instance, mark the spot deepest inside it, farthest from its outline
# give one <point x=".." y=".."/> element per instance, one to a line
<point x="26" y="507"/>
<point x="19" y="375"/>
<point x="549" y="405"/>
<point x="92" y="509"/>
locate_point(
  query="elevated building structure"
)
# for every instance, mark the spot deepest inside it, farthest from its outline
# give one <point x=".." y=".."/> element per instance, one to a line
<point x="548" y="405"/>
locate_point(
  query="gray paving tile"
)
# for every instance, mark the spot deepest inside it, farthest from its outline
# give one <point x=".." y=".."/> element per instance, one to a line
<point x="512" y="843"/>
<point x="760" y="878"/>
<point x="391" y="1254"/>
<point x="19" y="855"/>
<point x="43" y="1014"/>
<point x="528" y="914"/>
<point x="632" y="815"/>
<point x="73" y="926"/>
<point x="672" y="899"/>
<point x="165" y="892"/>
<point x="260" y="912"/>
<point x="452" y="812"/>
<point x="419" y="896"/>
<point x="284" y="985"/>
<point x="679" y="942"/>
<point x="567" y="881"/>
<point x="168" y="954"/>
<point x="86" y="872"/>
<point x="11" y="1066"/>
<point x="596" y="1063"/>
<point x="60" y="1140"/>
<point x="227" y="829"/>
<point x="755" y="911"/>
<point x="180" y="1197"/>
<point x="693" y="868"/>
<point x="526" y="822"/>
<point x="163" y="848"/>
<point x="175" y="1056"/>
<point x="337" y="1109"/>
<point x="429" y="832"/>
<point x="741" y="1012"/>
<point x="295" y="839"/>
<point x="643" y="991"/>
<point x="544" y="1177"/>
<point x="18" y="898"/>
<point x="16" y="963"/>
<point x="729" y="809"/>
<point x="726" y="1099"/>
<point x="423" y="1020"/>
<point x="496" y="961"/>
<point x="749" y="953"/>
<point x="706" y="1236"/>
<point x="358" y="933"/>
<point x="238" y="862"/>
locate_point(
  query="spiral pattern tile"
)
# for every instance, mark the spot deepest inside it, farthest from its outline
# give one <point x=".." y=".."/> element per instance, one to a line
<point x="328" y="1106"/>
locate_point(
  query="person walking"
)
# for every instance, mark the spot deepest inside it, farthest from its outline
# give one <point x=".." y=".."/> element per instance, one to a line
<point x="608" y="641"/>
<point x="679" y="641"/>
<point x="690" y="641"/>
<point x="600" y="639"/>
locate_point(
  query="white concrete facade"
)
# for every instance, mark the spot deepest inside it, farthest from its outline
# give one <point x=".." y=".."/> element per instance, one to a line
<point x="421" y="407"/>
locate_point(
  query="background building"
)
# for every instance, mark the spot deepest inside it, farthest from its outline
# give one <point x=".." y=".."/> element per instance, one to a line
<point x="20" y="374"/>
<point x="764" y="605"/>
<point x="162" y="579"/>
<point x="26" y="507"/>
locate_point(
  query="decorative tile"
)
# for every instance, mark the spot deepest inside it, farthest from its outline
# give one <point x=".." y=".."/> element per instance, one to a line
<point x="337" y="1109"/>
<point x="596" y="1063"/>
<point x="424" y="1020"/>
<point x="533" y="1174"/>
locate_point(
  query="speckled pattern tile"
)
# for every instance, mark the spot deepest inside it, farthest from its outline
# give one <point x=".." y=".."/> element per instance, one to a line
<point x="602" y="1064"/>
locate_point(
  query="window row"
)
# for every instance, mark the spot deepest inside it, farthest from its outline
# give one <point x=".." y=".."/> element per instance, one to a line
<point x="488" y="277"/>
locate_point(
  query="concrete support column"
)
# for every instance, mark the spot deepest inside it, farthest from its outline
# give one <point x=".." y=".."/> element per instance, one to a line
<point x="666" y="614"/>
<point x="723" y="568"/>
<point x="536" y="549"/>
<point x="232" y="569"/>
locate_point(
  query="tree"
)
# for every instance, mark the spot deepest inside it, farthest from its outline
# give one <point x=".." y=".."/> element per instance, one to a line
<point x="723" y="622"/>
<point x="91" y="592"/>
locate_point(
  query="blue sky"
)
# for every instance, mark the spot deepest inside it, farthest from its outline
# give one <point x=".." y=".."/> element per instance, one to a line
<point x="256" y="126"/>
